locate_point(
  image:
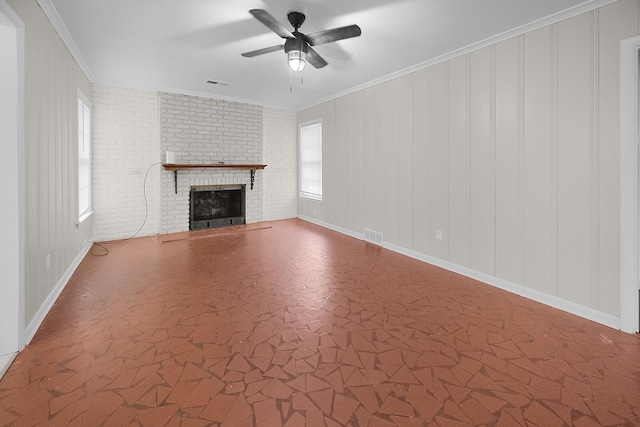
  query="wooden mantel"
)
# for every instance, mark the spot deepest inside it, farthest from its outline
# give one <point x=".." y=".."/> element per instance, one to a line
<point x="176" y="167"/>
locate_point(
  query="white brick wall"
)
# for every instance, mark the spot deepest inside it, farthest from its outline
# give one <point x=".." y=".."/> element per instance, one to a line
<point x="207" y="131"/>
<point x="280" y="136"/>
<point x="133" y="130"/>
<point x="126" y="143"/>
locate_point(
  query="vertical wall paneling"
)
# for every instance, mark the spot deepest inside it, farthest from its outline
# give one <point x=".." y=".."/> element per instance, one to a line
<point x="52" y="79"/>
<point x="405" y="161"/>
<point x="458" y="233"/>
<point x="492" y="160"/>
<point x="507" y="159"/>
<point x="574" y="160"/>
<point x="336" y="151"/>
<point x="369" y="171"/>
<point x="554" y="118"/>
<point x="481" y="208"/>
<point x="615" y="23"/>
<point x="330" y="178"/>
<point x="352" y="154"/>
<point x="390" y="205"/>
<point x="514" y="156"/>
<point x="492" y="156"/>
<point x="380" y="169"/>
<point x="521" y="159"/>
<point x="346" y="154"/>
<point x="421" y="183"/>
<point x="357" y="148"/>
<point x="594" y="150"/>
<point x="438" y="159"/>
<point x="537" y="171"/>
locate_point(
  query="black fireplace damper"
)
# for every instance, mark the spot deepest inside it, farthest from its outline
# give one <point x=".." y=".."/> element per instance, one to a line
<point x="216" y="206"/>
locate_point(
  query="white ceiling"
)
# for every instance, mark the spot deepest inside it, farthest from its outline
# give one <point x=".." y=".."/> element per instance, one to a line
<point x="177" y="45"/>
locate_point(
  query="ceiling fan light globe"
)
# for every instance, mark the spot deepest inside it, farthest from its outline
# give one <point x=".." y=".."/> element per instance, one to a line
<point x="296" y="60"/>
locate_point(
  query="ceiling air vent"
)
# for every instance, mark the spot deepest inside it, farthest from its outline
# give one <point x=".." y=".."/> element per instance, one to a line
<point x="217" y="82"/>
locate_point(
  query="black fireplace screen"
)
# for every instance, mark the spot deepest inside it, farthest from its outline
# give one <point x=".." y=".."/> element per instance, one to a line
<point x="217" y="206"/>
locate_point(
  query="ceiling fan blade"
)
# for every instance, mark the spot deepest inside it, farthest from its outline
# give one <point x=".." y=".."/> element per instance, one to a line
<point x="272" y="23"/>
<point x="327" y="36"/>
<point x="314" y="59"/>
<point x="262" y="51"/>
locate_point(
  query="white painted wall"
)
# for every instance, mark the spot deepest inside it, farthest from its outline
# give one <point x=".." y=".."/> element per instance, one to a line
<point x="511" y="150"/>
<point x="52" y="78"/>
<point x="126" y="136"/>
<point x="280" y="154"/>
<point x="629" y="184"/>
<point x="12" y="208"/>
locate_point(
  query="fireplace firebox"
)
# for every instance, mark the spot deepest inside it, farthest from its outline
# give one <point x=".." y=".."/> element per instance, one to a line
<point x="216" y="206"/>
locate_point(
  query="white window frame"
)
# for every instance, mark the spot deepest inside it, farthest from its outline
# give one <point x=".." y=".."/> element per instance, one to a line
<point x="305" y="191"/>
<point x="84" y="157"/>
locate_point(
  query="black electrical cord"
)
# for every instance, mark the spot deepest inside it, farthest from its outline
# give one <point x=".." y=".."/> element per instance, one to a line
<point x="146" y="216"/>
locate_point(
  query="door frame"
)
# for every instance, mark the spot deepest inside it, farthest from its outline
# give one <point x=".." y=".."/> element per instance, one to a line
<point x="12" y="293"/>
<point x="629" y="185"/>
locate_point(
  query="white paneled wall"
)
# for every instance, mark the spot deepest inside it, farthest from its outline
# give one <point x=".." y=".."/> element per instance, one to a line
<point x="511" y="151"/>
<point x="280" y="151"/>
<point x="126" y="147"/>
<point x="53" y="240"/>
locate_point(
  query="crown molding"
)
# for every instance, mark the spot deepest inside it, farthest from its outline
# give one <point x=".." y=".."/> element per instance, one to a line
<point x="585" y="7"/>
<point x="53" y="16"/>
<point x="189" y="93"/>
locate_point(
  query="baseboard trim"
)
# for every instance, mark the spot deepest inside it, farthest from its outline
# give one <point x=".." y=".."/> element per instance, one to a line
<point x="323" y="224"/>
<point x="532" y="294"/>
<point x="46" y="306"/>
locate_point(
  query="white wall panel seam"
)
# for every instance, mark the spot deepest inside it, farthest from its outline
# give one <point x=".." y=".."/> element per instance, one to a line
<point x="468" y="159"/>
<point x="492" y="158"/>
<point x="555" y="154"/>
<point x="447" y="173"/>
<point x="521" y="159"/>
<point x="594" y="132"/>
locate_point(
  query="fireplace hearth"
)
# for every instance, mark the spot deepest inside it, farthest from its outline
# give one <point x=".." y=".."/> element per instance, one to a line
<point x="215" y="206"/>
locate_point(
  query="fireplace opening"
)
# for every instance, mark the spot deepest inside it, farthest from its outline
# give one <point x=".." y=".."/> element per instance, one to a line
<point x="216" y="206"/>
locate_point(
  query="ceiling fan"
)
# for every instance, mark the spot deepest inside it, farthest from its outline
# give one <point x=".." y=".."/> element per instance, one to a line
<point x="298" y="45"/>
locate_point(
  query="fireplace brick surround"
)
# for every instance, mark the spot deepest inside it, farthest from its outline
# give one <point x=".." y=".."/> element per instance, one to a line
<point x="208" y="131"/>
<point x="132" y="131"/>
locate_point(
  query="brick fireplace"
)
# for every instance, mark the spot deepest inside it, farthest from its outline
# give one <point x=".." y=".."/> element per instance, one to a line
<point x="208" y="131"/>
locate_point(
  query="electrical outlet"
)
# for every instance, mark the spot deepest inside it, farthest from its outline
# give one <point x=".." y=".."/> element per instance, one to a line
<point x="314" y="212"/>
<point x="48" y="261"/>
<point x="438" y="234"/>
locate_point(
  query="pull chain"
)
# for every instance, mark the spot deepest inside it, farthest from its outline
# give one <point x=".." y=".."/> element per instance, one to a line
<point x="291" y="81"/>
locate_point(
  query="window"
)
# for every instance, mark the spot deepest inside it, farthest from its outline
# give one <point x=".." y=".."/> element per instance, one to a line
<point x="311" y="160"/>
<point x="84" y="158"/>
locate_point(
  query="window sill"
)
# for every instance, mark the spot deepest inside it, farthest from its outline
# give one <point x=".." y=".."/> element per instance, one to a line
<point x="309" y="197"/>
<point x="83" y="217"/>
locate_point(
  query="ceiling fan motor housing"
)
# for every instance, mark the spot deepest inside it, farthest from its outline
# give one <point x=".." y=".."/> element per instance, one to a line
<point x="296" y="44"/>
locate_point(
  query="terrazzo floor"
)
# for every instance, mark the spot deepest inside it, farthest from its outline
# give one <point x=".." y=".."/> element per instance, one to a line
<point x="291" y="324"/>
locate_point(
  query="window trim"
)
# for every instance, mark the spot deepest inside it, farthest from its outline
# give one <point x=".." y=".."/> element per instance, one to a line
<point x="303" y="194"/>
<point x="82" y="216"/>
